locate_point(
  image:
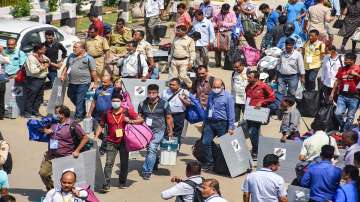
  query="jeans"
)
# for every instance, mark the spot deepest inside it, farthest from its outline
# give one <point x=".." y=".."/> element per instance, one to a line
<point x="77" y="93"/>
<point x="52" y="76"/>
<point x="2" y="99"/>
<point x="150" y="158"/>
<point x="212" y="129"/>
<point x="253" y="129"/>
<point x="179" y="119"/>
<point x="289" y="82"/>
<point x="349" y="105"/>
<point x="310" y="79"/>
<point x="111" y="152"/>
<point x="34" y="88"/>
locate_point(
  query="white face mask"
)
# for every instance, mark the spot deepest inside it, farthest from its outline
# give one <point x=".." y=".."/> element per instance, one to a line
<point x="216" y="90"/>
<point x="116" y="105"/>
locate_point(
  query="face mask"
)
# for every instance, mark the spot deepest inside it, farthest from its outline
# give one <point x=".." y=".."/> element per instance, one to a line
<point x="115" y="105"/>
<point x="56" y="118"/>
<point x="216" y="90"/>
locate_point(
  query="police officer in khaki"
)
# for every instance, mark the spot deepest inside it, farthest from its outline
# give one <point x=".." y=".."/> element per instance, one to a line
<point x="144" y="47"/>
<point x="98" y="47"/>
<point x="182" y="55"/>
<point x="119" y="38"/>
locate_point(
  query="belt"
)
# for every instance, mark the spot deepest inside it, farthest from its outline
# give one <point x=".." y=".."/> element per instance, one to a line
<point x="180" y="58"/>
<point x="98" y="56"/>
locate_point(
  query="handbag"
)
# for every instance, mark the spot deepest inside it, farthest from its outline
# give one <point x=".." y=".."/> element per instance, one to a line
<point x="338" y="23"/>
<point x="137" y="136"/>
<point x="251" y="26"/>
<point x="356" y="36"/>
<point x="251" y="54"/>
<point x="20" y="76"/>
<point x="222" y="41"/>
<point x="194" y="113"/>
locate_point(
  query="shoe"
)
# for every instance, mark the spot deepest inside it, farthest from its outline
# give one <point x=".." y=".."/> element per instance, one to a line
<point x="102" y="152"/>
<point x="146" y="176"/>
<point x="106" y="188"/>
<point x="206" y="168"/>
<point x="28" y="115"/>
<point x="254" y="156"/>
<point x="37" y="114"/>
<point x="123" y="185"/>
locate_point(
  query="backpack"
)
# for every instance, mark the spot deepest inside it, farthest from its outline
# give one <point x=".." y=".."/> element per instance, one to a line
<point x="77" y="140"/>
<point x="197" y="193"/>
<point x="91" y="195"/>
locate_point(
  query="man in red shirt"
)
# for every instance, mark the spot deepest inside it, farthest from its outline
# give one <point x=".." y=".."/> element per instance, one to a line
<point x="346" y="87"/>
<point x="258" y="94"/>
<point x="95" y="21"/>
<point x="115" y="120"/>
<point x="183" y="17"/>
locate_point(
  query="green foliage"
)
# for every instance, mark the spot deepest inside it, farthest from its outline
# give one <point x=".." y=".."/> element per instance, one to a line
<point x="111" y="3"/>
<point x="53" y="5"/>
<point x="22" y="9"/>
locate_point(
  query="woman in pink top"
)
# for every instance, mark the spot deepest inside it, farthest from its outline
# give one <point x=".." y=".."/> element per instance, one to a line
<point x="223" y="22"/>
<point x="183" y="17"/>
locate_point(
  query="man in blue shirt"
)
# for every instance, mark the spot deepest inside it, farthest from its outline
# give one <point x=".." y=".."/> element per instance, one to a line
<point x="322" y="177"/>
<point x="206" y="29"/>
<point x="271" y="21"/>
<point x="17" y="57"/>
<point x="220" y="118"/>
<point x="207" y="8"/>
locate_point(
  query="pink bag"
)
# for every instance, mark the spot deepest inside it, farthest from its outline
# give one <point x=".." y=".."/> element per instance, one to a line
<point x="126" y="103"/>
<point x="137" y="137"/>
<point x="251" y="54"/>
<point x="91" y="195"/>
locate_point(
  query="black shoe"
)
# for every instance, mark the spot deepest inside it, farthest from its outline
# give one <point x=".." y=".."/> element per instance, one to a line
<point x="105" y="188"/>
<point x="37" y="114"/>
<point x="28" y="115"/>
<point x="254" y="156"/>
<point x="206" y="168"/>
<point x="146" y="176"/>
<point x="123" y="185"/>
<point x="102" y="152"/>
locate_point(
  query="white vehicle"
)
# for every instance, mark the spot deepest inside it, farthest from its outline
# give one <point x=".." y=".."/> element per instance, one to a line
<point x="29" y="33"/>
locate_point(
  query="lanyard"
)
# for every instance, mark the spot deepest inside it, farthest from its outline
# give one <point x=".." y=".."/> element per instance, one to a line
<point x="151" y="111"/>
<point x="331" y="65"/>
<point x="117" y="121"/>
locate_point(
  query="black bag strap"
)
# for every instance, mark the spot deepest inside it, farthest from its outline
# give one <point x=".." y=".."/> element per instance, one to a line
<point x="140" y="67"/>
<point x="340" y="59"/>
<point x="306" y="125"/>
<point x="170" y="98"/>
<point x="329" y="140"/>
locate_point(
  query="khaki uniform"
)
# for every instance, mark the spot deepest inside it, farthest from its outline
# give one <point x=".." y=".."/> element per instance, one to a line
<point x="97" y="47"/>
<point x="182" y="54"/>
<point x="145" y="48"/>
<point x="118" y="41"/>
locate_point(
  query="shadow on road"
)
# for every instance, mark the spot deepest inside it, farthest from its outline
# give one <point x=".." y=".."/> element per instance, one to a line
<point x="32" y="194"/>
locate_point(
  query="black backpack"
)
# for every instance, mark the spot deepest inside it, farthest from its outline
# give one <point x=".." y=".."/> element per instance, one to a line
<point x="77" y="140"/>
<point x="197" y="193"/>
<point x="220" y="166"/>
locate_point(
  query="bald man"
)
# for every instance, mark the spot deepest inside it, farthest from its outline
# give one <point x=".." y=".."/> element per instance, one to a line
<point x="220" y="118"/>
<point x="68" y="191"/>
<point x="81" y="71"/>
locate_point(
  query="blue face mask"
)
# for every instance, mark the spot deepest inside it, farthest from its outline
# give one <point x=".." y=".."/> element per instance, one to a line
<point x="56" y="118"/>
<point x="116" y="105"/>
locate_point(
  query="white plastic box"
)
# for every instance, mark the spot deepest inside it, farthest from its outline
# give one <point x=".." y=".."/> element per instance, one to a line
<point x="168" y="152"/>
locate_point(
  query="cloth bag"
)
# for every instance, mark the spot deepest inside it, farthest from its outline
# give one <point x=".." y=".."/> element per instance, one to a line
<point x="222" y="41"/>
<point x="252" y="55"/>
<point x="137" y="136"/>
<point x="194" y="113"/>
<point x="326" y="116"/>
<point x="309" y="104"/>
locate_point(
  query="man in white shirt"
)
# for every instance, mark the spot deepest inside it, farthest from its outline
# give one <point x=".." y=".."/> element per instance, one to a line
<point x="264" y="184"/>
<point x="238" y="85"/>
<point x="134" y="64"/>
<point x="330" y="65"/>
<point x="311" y="147"/>
<point x="205" y="27"/>
<point x="210" y="190"/>
<point x="67" y="192"/>
<point x="153" y="13"/>
<point x="183" y="190"/>
<point x="178" y="100"/>
<point x="350" y="139"/>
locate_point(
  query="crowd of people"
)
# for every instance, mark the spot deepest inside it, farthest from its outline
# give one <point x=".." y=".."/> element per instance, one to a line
<point x="307" y="62"/>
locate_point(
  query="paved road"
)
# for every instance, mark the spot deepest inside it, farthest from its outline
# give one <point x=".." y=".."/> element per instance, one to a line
<point x="26" y="185"/>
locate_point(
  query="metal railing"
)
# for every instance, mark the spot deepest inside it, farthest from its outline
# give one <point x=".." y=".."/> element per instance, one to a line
<point x="4" y="3"/>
